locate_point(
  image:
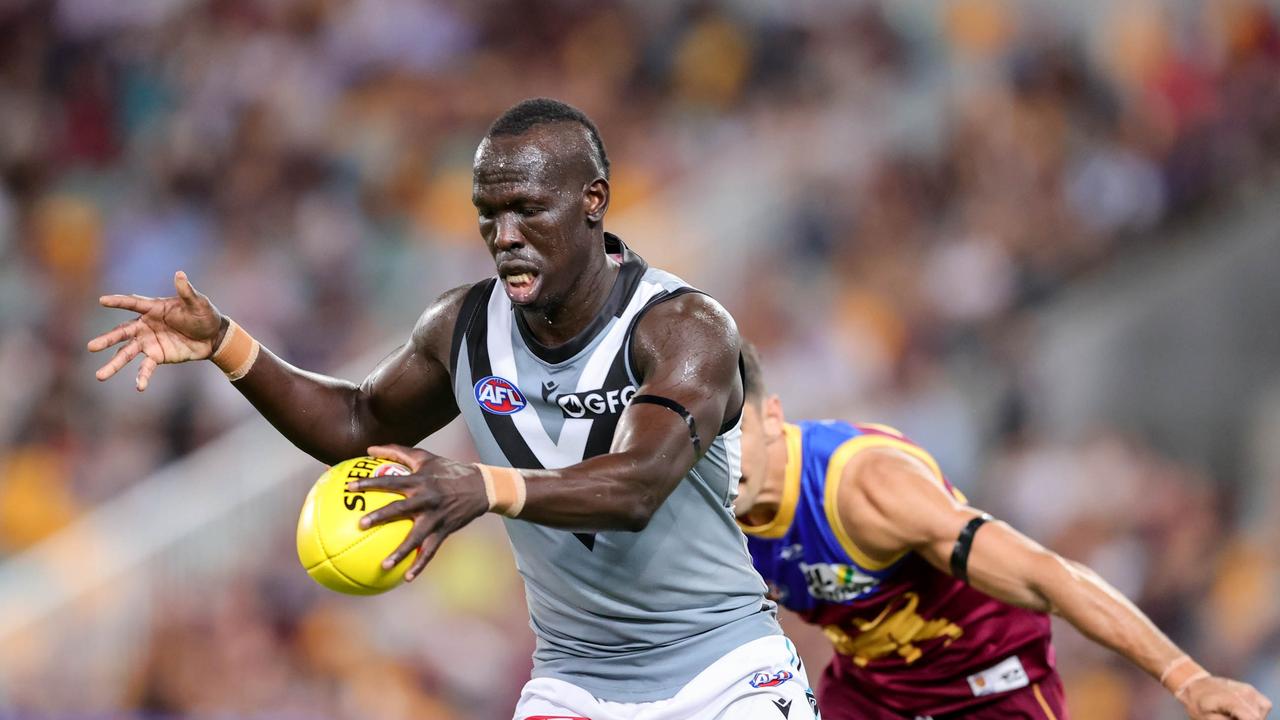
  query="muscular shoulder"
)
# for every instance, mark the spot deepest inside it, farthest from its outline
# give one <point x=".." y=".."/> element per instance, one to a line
<point x="433" y="333"/>
<point x="890" y="501"/>
<point x="884" y="474"/>
<point x="693" y="328"/>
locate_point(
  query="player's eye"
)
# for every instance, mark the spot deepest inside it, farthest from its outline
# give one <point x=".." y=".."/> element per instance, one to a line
<point x="530" y="211"/>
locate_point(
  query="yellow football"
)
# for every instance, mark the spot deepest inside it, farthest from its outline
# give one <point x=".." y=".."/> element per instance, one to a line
<point x="333" y="548"/>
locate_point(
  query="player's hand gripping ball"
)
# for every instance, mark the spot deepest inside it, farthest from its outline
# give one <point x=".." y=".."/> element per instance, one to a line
<point x="334" y="550"/>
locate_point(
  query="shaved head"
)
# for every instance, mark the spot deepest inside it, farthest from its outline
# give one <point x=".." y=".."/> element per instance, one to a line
<point x="535" y="112"/>
<point x="558" y="154"/>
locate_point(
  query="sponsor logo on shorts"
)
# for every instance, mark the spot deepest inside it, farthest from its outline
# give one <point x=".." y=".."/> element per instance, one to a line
<point x="768" y="680"/>
<point x="499" y="396"/>
<point x="784" y="706"/>
<point x="1004" y="676"/>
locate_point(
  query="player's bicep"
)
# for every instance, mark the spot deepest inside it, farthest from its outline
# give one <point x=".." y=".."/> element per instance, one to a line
<point x="891" y="503"/>
<point x="686" y="352"/>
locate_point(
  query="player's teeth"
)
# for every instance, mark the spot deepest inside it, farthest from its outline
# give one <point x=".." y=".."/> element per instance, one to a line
<point x="520" y="279"/>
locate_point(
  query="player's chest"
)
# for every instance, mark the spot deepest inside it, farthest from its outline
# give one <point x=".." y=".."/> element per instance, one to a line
<point x="553" y="396"/>
<point x="544" y="415"/>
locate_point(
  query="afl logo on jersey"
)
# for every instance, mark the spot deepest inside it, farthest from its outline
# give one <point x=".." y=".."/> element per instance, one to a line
<point x="499" y="396"/>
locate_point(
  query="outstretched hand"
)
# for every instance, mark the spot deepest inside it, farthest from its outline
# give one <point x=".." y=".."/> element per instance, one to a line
<point x="167" y="330"/>
<point x="441" y="497"/>
<point x="1217" y="698"/>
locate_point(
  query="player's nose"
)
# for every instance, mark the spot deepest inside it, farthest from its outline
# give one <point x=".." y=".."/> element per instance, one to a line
<point x="507" y="234"/>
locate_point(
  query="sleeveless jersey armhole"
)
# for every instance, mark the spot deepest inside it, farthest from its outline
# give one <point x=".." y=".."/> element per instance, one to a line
<point x="840" y="459"/>
<point x="731" y="419"/>
<point x="471" y="303"/>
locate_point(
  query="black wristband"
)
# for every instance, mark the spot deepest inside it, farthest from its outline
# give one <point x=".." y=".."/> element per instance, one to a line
<point x="678" y="409"/>
<point x="960" y="553"/>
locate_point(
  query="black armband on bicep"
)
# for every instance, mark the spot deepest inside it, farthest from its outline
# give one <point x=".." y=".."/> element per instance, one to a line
<point x="678" y="409"/>
<point x="960" y="553"/>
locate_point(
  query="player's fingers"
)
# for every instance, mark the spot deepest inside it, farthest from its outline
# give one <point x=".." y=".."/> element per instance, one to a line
<point x="428" y="550"/>
<point x="1244" y="703"/>
<point x="393" y="483"/>
<point x="397" y="510"/>
<point x="136" y="303"/>
<point x="144" y="373"/>
<point x="412" y="457"/>
<point x="186" y="291"/>
<point x="1260" y="704"/>
<point x="119" y="360"/>
<point x="119" y="333"/>
<point x="421" y="529"/>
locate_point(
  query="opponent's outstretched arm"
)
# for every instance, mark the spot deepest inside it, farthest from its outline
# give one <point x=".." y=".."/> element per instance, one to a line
<point x="404" y="399"/>
<point x="686" y="351"/>
<point x="890" y="502"/>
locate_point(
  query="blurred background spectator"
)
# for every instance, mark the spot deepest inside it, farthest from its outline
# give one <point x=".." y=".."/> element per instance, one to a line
<point x="891" y="196"/>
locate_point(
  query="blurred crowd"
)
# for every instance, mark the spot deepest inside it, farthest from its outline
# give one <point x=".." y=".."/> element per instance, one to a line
<point x="948" y="168"/>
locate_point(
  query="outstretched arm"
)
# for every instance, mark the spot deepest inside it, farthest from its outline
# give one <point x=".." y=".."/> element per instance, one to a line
<point x="686" y="350"/>
<point x="890" y="503"/>
<point x="404" y="399"/>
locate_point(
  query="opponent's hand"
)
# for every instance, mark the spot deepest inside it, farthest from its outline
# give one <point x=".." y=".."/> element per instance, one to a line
<point x="167" y="330"/>
<point x="1217" y="698"/>
<point x="441" y="497"/>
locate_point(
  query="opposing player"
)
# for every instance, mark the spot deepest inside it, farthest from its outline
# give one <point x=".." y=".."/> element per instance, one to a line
<point x="604" y="398"/>
<point x="935" y="609"/>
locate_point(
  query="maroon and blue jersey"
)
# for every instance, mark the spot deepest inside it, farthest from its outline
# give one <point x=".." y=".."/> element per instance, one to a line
<point x="910" y="640"/>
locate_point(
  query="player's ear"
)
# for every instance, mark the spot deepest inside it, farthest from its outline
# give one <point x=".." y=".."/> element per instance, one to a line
<point x="595" y="200"/>
<point x="773" y="417"/>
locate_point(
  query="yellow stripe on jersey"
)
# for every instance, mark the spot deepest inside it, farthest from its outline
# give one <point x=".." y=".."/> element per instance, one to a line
<point x="781" y="522"/>
<point x="884" y="429"/>
<point x="1048" y="711"/>
<point x="840" y="459"/>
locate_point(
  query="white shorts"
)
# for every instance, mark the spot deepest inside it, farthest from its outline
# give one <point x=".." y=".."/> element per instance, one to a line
<point x="762" y="680"/>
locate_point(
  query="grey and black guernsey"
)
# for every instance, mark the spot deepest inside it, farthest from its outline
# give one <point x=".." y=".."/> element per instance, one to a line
<point x="627" y="616"/>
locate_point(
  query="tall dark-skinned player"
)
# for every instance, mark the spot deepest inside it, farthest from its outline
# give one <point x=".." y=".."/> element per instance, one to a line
<point x="604" y="397"/>
<point x="935" y="611"/>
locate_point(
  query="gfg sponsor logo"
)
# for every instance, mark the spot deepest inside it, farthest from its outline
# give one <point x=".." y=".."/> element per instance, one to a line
<point x="595" y="403"/>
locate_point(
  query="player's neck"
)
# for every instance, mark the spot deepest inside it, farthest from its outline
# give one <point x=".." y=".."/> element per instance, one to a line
<point x="760" y="514"/>
<point x="557" y="324"/>
<point x="766" y="508"/>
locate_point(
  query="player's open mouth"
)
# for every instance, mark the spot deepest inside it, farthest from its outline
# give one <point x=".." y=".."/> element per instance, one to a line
<point x="522" y="287"/>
